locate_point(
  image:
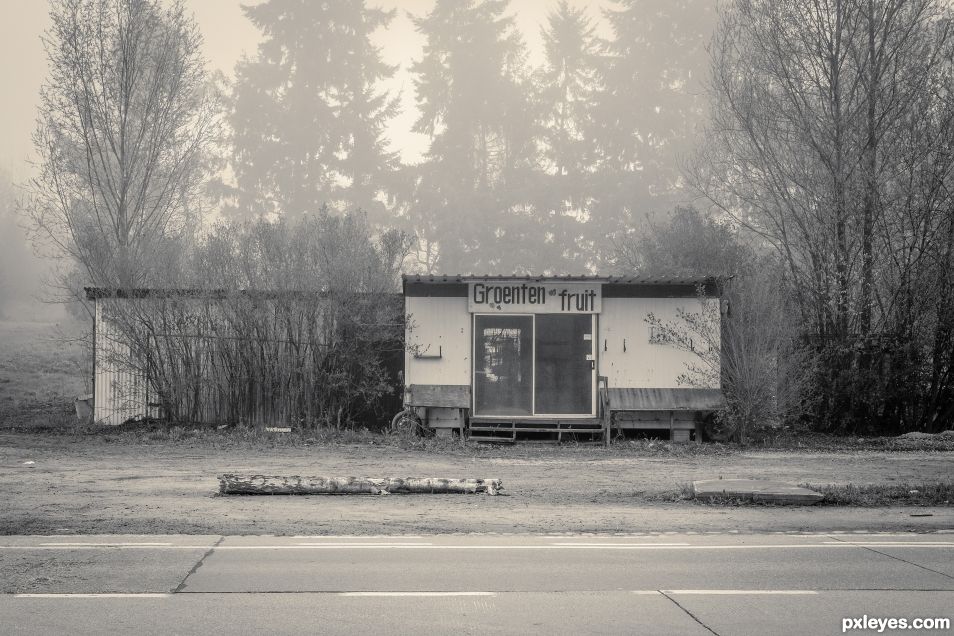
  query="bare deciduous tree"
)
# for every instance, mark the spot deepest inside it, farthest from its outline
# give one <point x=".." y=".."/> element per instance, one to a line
<point x="304" y="330"/>
<point x="126" y="118"/>
<point x="831" y="140"/>
<point x="752" y="349"/>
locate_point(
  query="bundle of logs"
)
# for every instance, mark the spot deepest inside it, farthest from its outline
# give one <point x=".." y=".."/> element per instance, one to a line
<point x="294" y="485"/>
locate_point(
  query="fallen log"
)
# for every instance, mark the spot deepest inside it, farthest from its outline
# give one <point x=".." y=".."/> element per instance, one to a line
<point x="231" y="484"/>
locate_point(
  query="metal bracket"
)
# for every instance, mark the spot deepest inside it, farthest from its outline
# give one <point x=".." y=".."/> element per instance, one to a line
<point x="430" y="356"/>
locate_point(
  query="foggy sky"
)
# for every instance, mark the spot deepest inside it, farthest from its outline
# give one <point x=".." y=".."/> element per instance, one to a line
<point x="228" y="35"/>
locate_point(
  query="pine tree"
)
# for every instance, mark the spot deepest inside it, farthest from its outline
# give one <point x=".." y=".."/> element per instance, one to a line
<point x="472" y="92"/>
<point x="568" y="83"/>
<point x="307" y="114"/>
<point x="566" y="89"/>
<point x="651" y="104"/>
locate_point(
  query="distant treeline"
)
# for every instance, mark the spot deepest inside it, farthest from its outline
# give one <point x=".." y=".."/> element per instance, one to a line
<point x="527" y="169"/>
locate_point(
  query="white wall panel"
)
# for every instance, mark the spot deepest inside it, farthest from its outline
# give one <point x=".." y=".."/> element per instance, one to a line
<point x="119" y="386"/>
<point x="438" y="326"/>
<point x="644" y="364"/>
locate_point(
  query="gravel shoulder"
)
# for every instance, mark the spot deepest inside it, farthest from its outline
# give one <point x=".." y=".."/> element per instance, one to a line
<point x="91" y="485"/>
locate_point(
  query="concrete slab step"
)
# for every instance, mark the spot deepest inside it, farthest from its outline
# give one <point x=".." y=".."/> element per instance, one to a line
<point x="755" y="490"/>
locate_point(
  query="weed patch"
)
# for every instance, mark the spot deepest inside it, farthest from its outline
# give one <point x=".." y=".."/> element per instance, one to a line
<point x="940" y="494"/>
<point x="683" y="493"/>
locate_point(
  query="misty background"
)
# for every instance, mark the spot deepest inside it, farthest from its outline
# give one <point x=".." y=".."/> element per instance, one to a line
<point x="671" y="44"/>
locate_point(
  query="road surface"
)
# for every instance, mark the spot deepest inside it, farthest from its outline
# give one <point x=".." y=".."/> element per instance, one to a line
<point x="544" y="584"/>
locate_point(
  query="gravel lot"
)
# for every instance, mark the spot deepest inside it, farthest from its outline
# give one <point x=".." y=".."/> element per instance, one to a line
<point x="94" y="484"/>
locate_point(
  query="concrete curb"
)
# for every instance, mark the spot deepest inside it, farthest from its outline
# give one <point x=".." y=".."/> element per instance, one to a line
<point x="764" y="491"/>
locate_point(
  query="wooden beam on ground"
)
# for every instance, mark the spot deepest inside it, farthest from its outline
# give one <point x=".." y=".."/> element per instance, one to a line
<point x="230" y="484"/>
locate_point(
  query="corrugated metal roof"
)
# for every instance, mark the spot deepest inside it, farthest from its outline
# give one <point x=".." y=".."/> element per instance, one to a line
<point x="92" y="293"/>
<point x="681" y="399"/>
<point x="623" y="280"/>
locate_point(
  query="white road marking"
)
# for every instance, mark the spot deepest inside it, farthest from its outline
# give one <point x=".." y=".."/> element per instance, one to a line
<point x="358" y="537"/>
<point x="575" y="546"/>
<point x="943" y="544"/>
<point x="110" y="544"/>
<point x="833" y="544"/>
<point x="360" y="545"/>
<point x="744" y="592"/>
<point x="618" y="545"/>
<point x="104" y="595"/>
<point x="417" y="594"/>
<point x="431" y="546"/>
<point x="98" y="546"/>
<point x="108" y="536"/>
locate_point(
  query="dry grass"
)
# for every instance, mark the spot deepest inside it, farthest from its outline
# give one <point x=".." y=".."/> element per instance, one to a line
<point x="42" y="369"/>
<point x="683" y="493"/>
<point x="805" y="440"/>
<point x="239" y="438"/>
<point x="864" y="495"/>
<point x="928" y="494"/>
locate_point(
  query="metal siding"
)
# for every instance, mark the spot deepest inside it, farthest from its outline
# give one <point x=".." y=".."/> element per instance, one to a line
<point x="122" y="390"/>
<point x="438" y="324"/>
<point x="643" y="364"/>
<point x="119" y="385"/>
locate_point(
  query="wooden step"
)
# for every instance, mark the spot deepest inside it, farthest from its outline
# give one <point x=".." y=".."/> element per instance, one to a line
<point x="536" y="421"/>
<point x="481" y="438"/>
<point x="487" y="429"/>
<point x="537" y="430"/>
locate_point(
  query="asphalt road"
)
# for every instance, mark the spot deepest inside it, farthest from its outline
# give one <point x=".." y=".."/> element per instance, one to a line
<point x="653" y="584"/>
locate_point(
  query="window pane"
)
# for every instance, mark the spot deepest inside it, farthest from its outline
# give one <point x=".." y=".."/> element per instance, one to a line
<point x="564" y="377"/>
<point x="503" y="365"/>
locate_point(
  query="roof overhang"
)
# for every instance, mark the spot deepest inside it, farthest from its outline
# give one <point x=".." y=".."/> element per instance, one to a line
<point x="456" y="285"/>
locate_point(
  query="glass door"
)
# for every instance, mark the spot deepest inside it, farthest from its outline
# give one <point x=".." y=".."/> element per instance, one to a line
<point x="541" y="364"/>
<point x="503" y="365"/>
<point x="565" y="367"/>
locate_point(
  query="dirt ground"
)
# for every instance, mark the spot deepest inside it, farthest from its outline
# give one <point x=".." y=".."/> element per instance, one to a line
<point x="82" y="484"/>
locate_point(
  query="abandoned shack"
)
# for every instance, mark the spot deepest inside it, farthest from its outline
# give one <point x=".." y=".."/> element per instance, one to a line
<point x="489" y="357"/>
<point x="551" y="357"/>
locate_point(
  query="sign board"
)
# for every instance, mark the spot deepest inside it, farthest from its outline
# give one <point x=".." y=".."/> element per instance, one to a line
<point x="522" y="297"/>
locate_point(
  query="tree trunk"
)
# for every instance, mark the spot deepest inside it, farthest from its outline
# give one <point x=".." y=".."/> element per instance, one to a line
<point x="871" y="180"/>
<point x="294" y="485"/>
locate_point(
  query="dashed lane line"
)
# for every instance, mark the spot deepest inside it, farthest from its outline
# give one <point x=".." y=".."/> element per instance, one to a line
<point x="360" y="544"/>
<point x="620" y="545"/>
<point x="151" y="544"/>
<point x="437" y="594"/>
<point x="743" y="592"/>
<point x="66" y="595"/>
